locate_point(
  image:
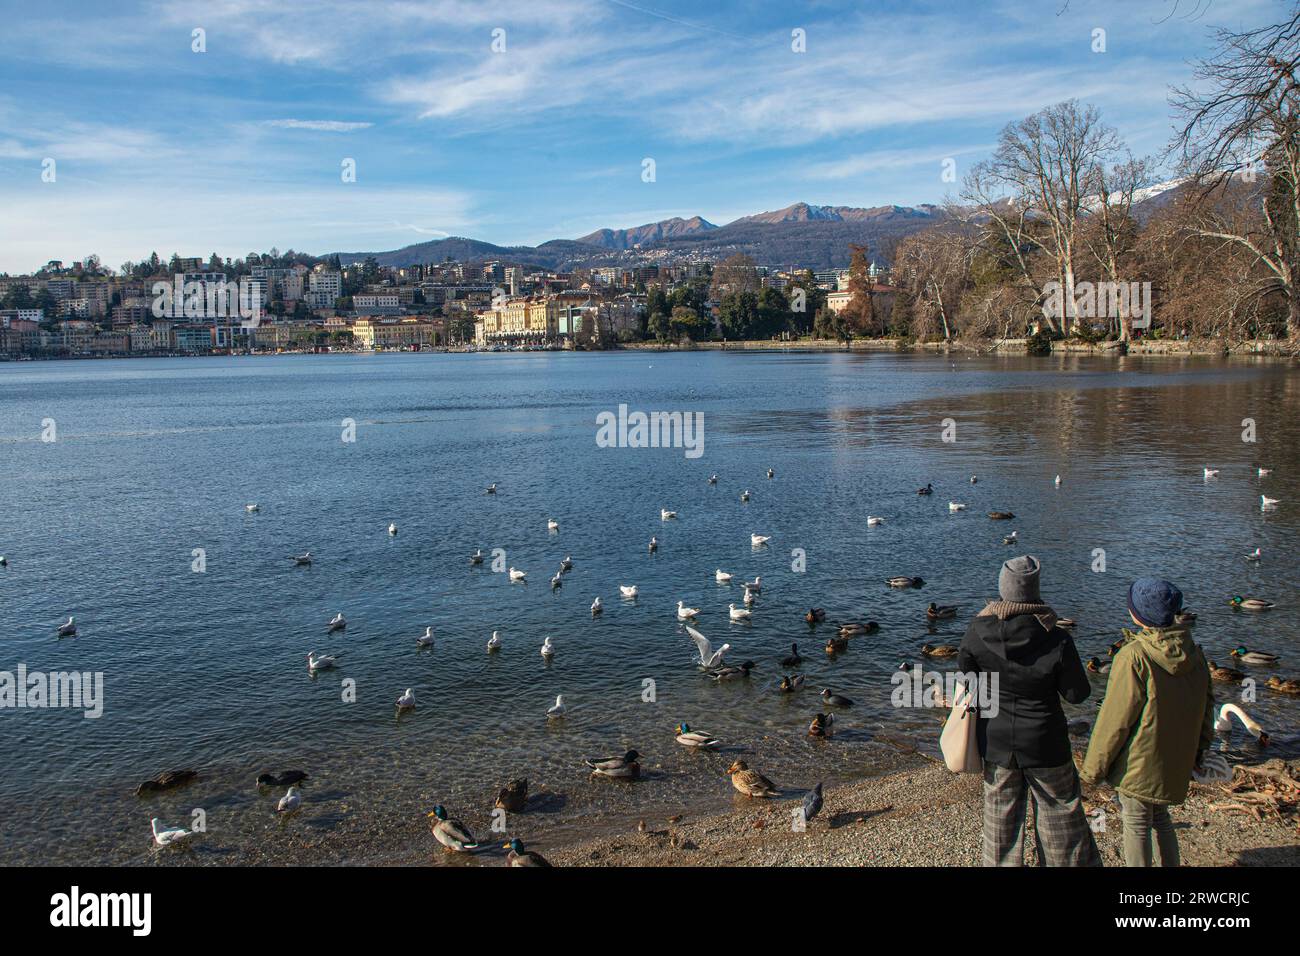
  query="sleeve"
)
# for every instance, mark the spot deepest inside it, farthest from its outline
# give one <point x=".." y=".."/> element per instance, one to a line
<point x="1120" y="710"/>
<point x="1207" y="721"/>
<point x="966" y="662"/>
<point x="1072" y="679"/>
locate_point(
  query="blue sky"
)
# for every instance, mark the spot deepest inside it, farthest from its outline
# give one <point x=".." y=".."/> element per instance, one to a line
<point x="238" y="149"/>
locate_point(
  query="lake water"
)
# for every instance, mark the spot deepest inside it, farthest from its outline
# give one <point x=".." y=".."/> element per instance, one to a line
<point x="157" y="458"/>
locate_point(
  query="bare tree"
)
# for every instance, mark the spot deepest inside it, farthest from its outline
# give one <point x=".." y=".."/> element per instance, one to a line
<point x="1110" y="233"/>
<point x="937" y="263"/>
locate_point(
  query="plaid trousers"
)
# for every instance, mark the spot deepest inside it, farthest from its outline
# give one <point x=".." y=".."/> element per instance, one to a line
<point x="1060" y="827"/>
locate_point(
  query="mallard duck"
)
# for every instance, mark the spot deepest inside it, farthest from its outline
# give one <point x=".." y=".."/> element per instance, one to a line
<point x="695" y="738"/>
<point x="835" y="700"/>
<point x="822" y="725"/>
<point x="815" y="615"/>
<point x="1116" y="647"/>
<point x="730" y="672"/>
<point x="790" y="683"/>
<point x="1001" y="515"/>
<point x="1097" y="666"/>
<point x="1185" y="618"/>
<point x="750" y="782"/>
<point x="858" y="628"/>
<point x="452" y="834"/>
<point x="627" y="766"/>
<point x="939" y="651"/>
<point x="1288" y="686"/>
<point x="903" y="581"/>
<point x="1254" y="657"/>
<point x="794" y="660"/>
<point x="286" y="778"/>
<point x="927" y="490"/>
<point x="836" y="644"/>
<point x="934" y="612"/>
<point x="1226" y="674"/>
<point x="1251" y="604"/>
<point x="513" y="796"/>
<point x="518" y="856"/>
<point x="166" y="780"/>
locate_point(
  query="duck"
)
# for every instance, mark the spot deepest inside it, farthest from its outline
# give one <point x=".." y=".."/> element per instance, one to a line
<point x="748" y="599"/>
<point x="251" y="508"/>
<point x="494" y="642"/>
<point x="1266" y="502"/>
<point x="517" y="575"/>
<point x="794" y="660"/>
<point x="755" y="585"/>
<point x="596" y="607"/>
<point x="476" y="557"/>
<point x="709" y="657"/>
<point x="665" y="514"/>
<point x="518" y="856"/>
<point x="337" y="623"/>
<point x="791" y="683"/>
<point x="936" y="612"/>
<point x="721" y="576"/>
<point x="302" y="559"/>
<point x="1224" y="723"/>
<point x="1185" y="618"/>
<point x="407" y="700"/>
<point x="812" y="802"/>
<point x="566" y="565"/>
<point x="815" y="615"/>
<point x="557" y="580"/>
<point x="744" y="496"/>
<point x="1210" y="472"/>
<point x="392" y="527"/>
<point x="939" y="651"/>
<point x="1001" y="515"/>
<point x="68" y="628"/>
<point x="1225" y="674"/>
<point x="821" y="725"/>
<point x="835" y="700"/>
<point x="685" y="613"/>
<point x="452" y="834"/>
<point x="954" y="506"/>
<point x="1288" y="686"/>
<point x="556" y="710"/>
<point x="164" y="835"/>
<point x="758" y="540"/>
<point x="166" y="781"/>
<point x="750" y="782"/>
<point x="1251" y="604"/>
<point x="286" y="778"/>
<point x="626" y="767"/>
<point x="858" y="628"/>
<point x="902" y="581"/>
<point x="728" y="672"/>
<point x="1254" y="657"/>
<point x="1098" y="667"/>
<point x="1012" y="538"/>
<point x="627" y="590"/>
<point x="654" y="544"/>
<point x="1116" y="647"/>
<point x="552" y="524"/>
<point x="1255" y="555"/>
<point x="927" y="490"/>
<point x="290" y="802"/>
<point x="425" y="639"/>
<point x="695" y="738"/>
<point x="836" y="644"/>
<point x="874" y="521"/>
<point x="548" y="648"/>
<point x="1066" y="623"/>
<point x="771" y="473"/>
<point x="513" y="796"/>
<point x="321" y="662"/>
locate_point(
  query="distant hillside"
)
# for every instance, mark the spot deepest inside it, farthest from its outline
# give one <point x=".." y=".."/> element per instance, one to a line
<point x="674" y="228"/>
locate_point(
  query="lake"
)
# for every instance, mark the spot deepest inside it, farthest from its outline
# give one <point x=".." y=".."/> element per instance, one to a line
<point x="154" y="459"/>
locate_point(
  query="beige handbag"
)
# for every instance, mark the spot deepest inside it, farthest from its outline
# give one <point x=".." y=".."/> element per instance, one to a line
<point x="961" y="751"/>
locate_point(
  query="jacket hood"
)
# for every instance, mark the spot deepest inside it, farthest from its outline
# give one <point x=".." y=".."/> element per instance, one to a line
<point x="1169" y="648"/>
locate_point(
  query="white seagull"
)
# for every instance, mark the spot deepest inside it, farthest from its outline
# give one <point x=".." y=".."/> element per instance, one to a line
<point x="548" y="649"/>
<point x="304" y="558"/>
<point x="873" y="520"/>
<point x="492" y="488"/>
<point x="956" y="506"/>
<point x="628" y="591"/>
<point x="721" y="576"/>
<point x="755" y="585"/>
<point x="1262" y="472"/>
<point x="425" y="640"/>
<point x="1266" y="502"/>
<point x="757" y="540"/>
<point x="654" y="543"/>
<point x="494" y="642"/>
<point x="251" y="508"/>
<point x="708" y="656"/>
<point x="290" y="802"/>
<point x="337" y="623"/>
<point x="552" y="524"/>
<point x="169" y="836"/>
<point x="665" y="514"/>
<point x="744" y="496"/>
<point x="749" y="598"/>
<point x="321" y="662"/>
<point x="407" y="700"/>
<point x="392" y="527"/>
<point x="1058" y="481"/>
<point x="685" y="613"/>
<point x="738" y="613"/>
<point x="69" y="629"/>
<point x="516" y="575"/>
<point x="1211" y="472"/>
<point x="558" y="579"/>
<point x="596" y="607"/>
<point x="556" y="712"/>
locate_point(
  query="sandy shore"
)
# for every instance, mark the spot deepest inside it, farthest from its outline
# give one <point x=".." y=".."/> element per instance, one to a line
<point x="919" y="816"/>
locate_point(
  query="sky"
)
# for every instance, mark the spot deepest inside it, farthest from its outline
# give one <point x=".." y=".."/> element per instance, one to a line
<point x="519" y="121"/>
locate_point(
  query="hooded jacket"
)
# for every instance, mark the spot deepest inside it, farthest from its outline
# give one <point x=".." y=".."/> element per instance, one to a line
<point x="1036" y="665"/>
<point x="1157" y="716"/>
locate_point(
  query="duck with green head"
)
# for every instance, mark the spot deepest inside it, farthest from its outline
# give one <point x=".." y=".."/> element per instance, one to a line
<point x="518" y="856"/>
<point x="1250" y="604"/>
<point x="452" y="834"/>
<point x="1245" y="656"/>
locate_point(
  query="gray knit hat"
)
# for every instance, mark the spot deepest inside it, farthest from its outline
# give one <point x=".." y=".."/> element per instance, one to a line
<point x="1018" y="580"/>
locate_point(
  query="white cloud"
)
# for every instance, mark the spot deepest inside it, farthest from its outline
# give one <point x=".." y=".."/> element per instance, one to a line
<point x="324" y="126"/>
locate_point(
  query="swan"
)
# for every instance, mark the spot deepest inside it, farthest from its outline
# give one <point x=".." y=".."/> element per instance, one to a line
<point x="251" y="508"/>
<point x="627" y="591"/>
<point x="873" y="520"/>
<point x="665" y="514"/>
<point x="494" y="642"/>
<point x="1254" y="555"/>
<point x="548" y="649"/>
<point x="1267" y="502"/>
<point x="758" y="540"/>
<point x="321" y="662"/>
<point x="337" y="623"/>
<point x="654" y="544"/>
<point x="755" y="585"/>
<point x="1224" y="723"/>
<point x="1211" y="472"/>
<point x="476" y="557"/>
<point x="685" y="613"/>
<point x="169" y="836"/>
<point x="738" y="613"/>
<point x="709" y="657"/>
<point x="290" y="802"/>
<point x="721" y="576"/>
<point x="596" y="607"/>
<point x="744" y="496"/>
<point x="552" y="524"/>
<point x="392" y="527"/>
<point x="955" y="506"/>
<point x="304" y="558"/>
<point x="69" y="629"/>
<point x="426" y="640"/>
<point x="407" y="700"/>
<point x="516" y="575"/>
<point x="557" y="711"/>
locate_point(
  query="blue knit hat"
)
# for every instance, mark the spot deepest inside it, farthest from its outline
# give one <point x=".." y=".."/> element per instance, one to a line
<point x="1154" y="602"/>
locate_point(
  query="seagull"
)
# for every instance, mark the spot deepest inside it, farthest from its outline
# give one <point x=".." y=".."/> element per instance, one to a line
<point x="596" y="607"/>
<point x="708" y="656"/>
<point x="1012" y="538"/>
<point x="654" y="544"/>
<point x="974" y="479"/>
<point x="685" y="613"/>
<point x="758" y="540"/>
<point x="755" y="585"/>
<point x="738" y="613"/>
<point x="1058" y="481"/>
<point x="872" y="521"/>
<point x="713" y="479"/>
<point x="1211" y="472"/>
<point x="407" y="700"/>
<point x="321" y="662"/>
<point x="1266" y="502"/>
<point x="69" y="629"/>
<point x="1262" y="472"/>
<point x="721" y="576"/>
<point x="4" y="562"/>
<point x="494" y="642"/>
<point x="665" y="514"/>
<point x="169" y="836"/>
<point x="548" y="649"/>
<point x="337" y="623"/>
<point x="557" y="711"/>
<point x="566" y="564"/>
<point x="552" y="524"/>
<point x="476" y="557"/>
<point x="1254" y="555"/>
<point x="628" y="591"/>
<point x="426" y="640"/>
<point x="392" y="527"/>
<point x="492" y="488"/>
<point x="744" y="496"/>
<point x="558" y="579"/>
<point x="955" y="506"/>
<point x="749" y="598"/>
<point x="304" y="558"/>
<point x="517" y="575"/>
<point x="251" y="508"/>
<point x="290" y="802"/>
<point x="771" y="473"/>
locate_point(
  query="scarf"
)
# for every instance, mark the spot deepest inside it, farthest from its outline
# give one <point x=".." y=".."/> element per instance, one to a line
<point x="1005" y="609"/>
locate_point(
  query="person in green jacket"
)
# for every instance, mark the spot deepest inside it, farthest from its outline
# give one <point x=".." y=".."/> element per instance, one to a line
<point x="1155" y="724"/>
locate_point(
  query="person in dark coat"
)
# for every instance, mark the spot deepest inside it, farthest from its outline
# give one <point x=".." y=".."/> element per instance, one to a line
<point x="1015" y="646"/>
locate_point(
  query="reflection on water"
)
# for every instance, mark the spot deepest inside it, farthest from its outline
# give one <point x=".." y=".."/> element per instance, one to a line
<point x="156" y="458"/>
